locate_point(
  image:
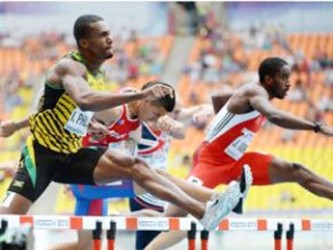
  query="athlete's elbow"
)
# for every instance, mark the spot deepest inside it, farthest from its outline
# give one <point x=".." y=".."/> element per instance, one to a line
<point x="84" y="104"/>
<point x="274" y="118"/>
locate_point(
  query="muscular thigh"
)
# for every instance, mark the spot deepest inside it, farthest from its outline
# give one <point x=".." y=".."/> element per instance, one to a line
<point x="281" y="171"/>
<point x="112" y="166"/>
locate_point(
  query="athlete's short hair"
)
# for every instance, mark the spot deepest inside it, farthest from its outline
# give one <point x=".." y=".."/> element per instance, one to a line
<point x="270" y="66"/>
<point x="168" y="101"/>
<point x="82" y="25"/>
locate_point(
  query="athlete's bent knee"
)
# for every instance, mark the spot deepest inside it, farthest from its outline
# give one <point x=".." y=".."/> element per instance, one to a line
<point x="141" y="170"/>
<point x="293" y="169"/>
<point x="297" y="166"/>
<point x="137" y="160"/>
<point x="298" y="172"/>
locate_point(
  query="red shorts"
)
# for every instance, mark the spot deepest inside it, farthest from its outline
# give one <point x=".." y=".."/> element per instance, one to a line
<point x="212" y="173"/>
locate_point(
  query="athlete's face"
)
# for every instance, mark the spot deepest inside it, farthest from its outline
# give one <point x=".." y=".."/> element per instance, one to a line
<point x="99" y="43"/>
<point x="280" y="83"/>
<point x="150" y="112"/>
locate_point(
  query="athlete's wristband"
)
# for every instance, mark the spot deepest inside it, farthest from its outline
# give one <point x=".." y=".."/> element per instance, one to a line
<point x="317" y="127"/>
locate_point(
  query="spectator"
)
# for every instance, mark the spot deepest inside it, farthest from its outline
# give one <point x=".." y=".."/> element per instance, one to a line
<point x="328" y="76"/>
<point x="326" y="101"/>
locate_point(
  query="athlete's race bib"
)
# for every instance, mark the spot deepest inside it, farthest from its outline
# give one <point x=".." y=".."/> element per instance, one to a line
<point x="79" y="121"/>
<point x="237" y="148"/>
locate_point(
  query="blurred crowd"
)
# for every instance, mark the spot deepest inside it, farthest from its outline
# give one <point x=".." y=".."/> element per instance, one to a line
<point x="224" y="54"/>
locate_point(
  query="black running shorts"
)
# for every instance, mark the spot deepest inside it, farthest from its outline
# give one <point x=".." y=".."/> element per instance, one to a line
<point x="39" y="166"/>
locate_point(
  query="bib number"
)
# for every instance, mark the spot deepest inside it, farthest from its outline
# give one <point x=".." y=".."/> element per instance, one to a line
<point x="237" y="148"/>
<point x="79" y="121"/>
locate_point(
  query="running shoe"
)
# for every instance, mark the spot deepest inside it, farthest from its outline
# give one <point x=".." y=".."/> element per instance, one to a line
<point x="218" y="208"/>
<point x="245" y="184"/>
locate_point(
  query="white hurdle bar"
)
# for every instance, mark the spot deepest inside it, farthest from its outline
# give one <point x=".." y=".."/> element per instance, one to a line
<point x="114" y="223"/>
<point x="51" y="222"/>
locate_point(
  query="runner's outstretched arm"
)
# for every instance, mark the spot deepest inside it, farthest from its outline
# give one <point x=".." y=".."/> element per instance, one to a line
<point x="259" y="100"/>
<point x="8" y="128"/>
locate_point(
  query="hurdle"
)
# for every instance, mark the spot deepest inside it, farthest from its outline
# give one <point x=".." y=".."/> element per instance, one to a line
<point x="114" y="223"/>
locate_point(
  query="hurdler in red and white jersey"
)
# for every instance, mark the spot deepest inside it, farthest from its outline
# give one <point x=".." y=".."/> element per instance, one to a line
<point x="219" y="159"/>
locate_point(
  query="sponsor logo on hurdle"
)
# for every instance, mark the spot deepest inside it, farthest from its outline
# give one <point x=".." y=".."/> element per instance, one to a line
<point x="46" y="223"/>
<point x="243" y="225"/>
<point x="321" y="226"/>
<point x="150" y="224"/>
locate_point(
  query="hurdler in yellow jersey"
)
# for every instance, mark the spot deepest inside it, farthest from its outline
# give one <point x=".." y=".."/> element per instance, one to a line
<point x="71" y="96"/>
<point x="54" y="152"/>
<point x="59" y="123"/>
<point x="54" y="149"/>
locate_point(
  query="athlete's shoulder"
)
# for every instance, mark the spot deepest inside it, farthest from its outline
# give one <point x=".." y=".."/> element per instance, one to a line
<point x="62" y="68"/>
<point x="67" y="65"/>
<point x="252" y="89"/>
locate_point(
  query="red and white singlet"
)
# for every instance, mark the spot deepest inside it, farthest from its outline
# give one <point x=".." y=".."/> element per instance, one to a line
<point x="219" y="159"/>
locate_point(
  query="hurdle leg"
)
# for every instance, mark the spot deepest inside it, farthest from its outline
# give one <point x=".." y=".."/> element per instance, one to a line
<point x="3" y="229"/>
<point x="277" y="237"/>
<point x="111" y="235"/>
<point x="290" y="237"/>
<point x="204" y="235"/>
<point x="96" y="234"/>
<point x="191" y="236"/>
